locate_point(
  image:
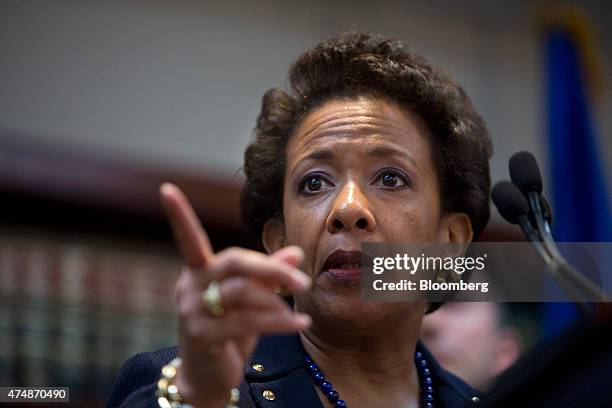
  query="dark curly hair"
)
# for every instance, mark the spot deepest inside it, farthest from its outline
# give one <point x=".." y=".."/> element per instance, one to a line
<point x="363" y="64"/>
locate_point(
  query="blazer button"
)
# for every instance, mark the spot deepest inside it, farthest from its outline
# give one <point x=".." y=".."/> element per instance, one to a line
<point x="269" y="395"/>
<point x="258" y="367"/>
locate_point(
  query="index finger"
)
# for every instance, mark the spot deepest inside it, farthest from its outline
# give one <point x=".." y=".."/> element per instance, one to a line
<point x="188" y="231"/>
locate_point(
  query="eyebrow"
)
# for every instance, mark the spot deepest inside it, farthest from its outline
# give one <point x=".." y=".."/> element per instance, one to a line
<point x="323" y="154"/>
<point x="378" y="151"/>
<point x="384" y="151"/>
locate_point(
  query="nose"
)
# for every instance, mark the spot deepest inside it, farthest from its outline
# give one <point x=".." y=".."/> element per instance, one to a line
<point x="350" y="211"/>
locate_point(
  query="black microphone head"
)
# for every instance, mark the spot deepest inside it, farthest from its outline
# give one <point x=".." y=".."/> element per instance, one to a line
<point x="525" y="172"/>
<point x="510" y="201"/>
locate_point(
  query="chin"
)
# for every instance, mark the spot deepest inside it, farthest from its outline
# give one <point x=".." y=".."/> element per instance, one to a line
<point x="349" y="312"/>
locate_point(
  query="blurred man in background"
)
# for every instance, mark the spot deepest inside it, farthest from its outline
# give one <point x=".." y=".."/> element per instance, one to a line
<point x="473" y="340"/>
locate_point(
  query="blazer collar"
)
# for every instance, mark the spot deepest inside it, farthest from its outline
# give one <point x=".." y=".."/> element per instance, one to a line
<point x="275" y="356"/>
<point x="278" y="362"/>
<point x="277" y="375"/>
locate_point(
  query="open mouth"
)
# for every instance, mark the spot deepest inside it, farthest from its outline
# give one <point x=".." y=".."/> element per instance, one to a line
<point x="343" y="264"/>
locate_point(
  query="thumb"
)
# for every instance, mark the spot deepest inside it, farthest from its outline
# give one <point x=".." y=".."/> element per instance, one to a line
<point x="292" y="254"/>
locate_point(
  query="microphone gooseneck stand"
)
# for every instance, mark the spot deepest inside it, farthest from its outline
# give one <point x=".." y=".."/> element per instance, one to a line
<point x="521" y="202"/>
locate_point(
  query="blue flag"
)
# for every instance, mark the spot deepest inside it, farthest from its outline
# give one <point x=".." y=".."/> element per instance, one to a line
<point x="580" y="202"/>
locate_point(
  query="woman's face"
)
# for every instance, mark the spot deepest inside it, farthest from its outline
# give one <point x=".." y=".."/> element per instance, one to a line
<point x="357" y="170"/>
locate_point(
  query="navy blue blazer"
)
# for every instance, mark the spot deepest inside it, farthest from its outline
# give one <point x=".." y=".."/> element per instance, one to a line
<point x="284" y="373"/>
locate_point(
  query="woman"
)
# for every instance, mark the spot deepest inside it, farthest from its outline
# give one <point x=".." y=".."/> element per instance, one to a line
<point x="370" y="144"/>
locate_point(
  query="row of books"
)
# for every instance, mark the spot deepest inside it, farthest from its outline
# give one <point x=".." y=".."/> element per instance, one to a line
<point x="72" y="309"/>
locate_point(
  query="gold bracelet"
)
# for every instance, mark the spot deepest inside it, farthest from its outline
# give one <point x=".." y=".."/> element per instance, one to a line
<point x="168" y="395"/>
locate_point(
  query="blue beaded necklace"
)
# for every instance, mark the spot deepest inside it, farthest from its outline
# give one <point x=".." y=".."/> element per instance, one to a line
<point x="332" y="395"/>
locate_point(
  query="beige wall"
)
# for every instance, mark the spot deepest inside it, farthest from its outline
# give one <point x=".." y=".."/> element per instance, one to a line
<point x="180" y="82"/>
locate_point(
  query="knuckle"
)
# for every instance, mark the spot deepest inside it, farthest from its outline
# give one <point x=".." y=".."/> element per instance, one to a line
<point x="188" y="308"/>
<point x="190" y="331"/>
<point x="240" y="288"/>
<point x="180" y="286"/>
<point x="178" y="291"/>
<point x="232" y="252"/>
<point x="233" y="262"/>
<point x="184" y="311"/>
<point x="194" y="330"/>
<point x="231" y="259"/>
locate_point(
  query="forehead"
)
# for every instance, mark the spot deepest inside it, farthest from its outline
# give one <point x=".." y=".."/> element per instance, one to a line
<point x="359" y="122"/>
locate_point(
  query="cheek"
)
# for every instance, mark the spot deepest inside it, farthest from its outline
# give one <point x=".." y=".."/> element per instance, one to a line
<point x="299" y="226"/>
<point x="413" y="221"/>
<point x="304" y="225"/>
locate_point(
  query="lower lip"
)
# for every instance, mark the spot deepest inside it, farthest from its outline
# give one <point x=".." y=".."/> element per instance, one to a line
<point x="345" y="274"/>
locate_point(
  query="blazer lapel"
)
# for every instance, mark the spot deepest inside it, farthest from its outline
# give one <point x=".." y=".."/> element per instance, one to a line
<point x="277" y="375"/>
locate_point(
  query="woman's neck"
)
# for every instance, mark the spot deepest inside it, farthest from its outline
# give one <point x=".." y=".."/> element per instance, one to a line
<point x="369" y="367"/>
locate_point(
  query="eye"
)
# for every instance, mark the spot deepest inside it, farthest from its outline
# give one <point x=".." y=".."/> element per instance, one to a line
<point x="393" y="179"/>
<point x="313" y="183"/>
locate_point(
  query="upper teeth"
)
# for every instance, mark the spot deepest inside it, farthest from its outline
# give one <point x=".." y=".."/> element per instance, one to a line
<point x="348" y="266"/>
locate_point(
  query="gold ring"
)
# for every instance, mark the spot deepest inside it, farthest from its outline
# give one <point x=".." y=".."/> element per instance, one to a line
<point x="211" y="297"/>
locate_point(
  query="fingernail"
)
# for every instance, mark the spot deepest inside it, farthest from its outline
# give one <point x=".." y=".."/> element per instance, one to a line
<point x="165" y="188"/>
<point x="303" y="279"/>
<point x="303" y="319"/>
<point x="297" y="253"/>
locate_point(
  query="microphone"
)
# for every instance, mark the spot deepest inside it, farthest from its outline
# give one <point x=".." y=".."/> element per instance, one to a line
<point x="513" y="207"/>
<point x="532" y="208"/>
<point x="525" y="173"/>
<point x="546" y="210"/>
<point x="509" y="200"/>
